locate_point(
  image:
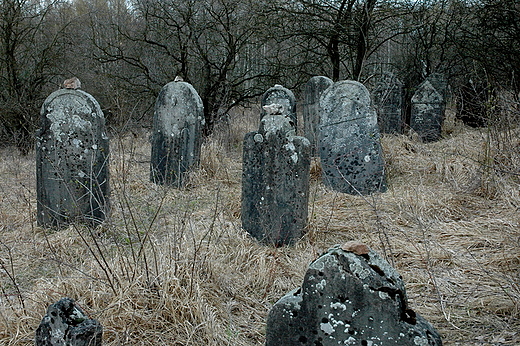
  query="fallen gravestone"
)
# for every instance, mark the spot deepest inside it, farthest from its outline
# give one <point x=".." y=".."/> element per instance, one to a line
<point x="275" y="180"/>
<point x="311" y="106"/>
<point x="66" y="324"/>
<point x="72" y="152"/>
<point x="427" y="112"/>
<point x="177" y="134"/>
<point x="284" y="97"/>
<point x="349" y="296"/>
<point x="388" y="102"/>
<point x="350" y="148"/>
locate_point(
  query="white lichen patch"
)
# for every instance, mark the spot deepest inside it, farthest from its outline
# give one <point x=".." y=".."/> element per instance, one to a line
<point x="321" y="285"/>
<point x="327" y="328"/>
<point x="337" y="306"/>
<point x="357" y="268"/>
<point x="258" y="138"/>
<point x="420" y="341"/>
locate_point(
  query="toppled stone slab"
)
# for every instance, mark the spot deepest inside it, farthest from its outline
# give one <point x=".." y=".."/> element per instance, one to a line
<point x="66" y="324"/>
<point x="348" y="297"/>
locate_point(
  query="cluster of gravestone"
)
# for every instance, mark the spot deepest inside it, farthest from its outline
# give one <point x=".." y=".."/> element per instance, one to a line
<point x="340" y="125"/>
<point x="428" y="104"/>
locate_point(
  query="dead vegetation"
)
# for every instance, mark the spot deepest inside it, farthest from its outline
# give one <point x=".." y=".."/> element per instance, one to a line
<point x="173" y="267"/>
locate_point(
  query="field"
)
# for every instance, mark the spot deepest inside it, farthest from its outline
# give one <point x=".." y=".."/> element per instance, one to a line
<point x="174" y="267"/>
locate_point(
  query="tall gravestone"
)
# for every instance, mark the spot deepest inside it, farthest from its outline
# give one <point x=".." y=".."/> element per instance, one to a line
<point x="388" y="102"/>
<point x="284" y="97"/>
<point x="349" y="296"/>
<point x="350" y="148"/>
<point x="311" y="106"/>
<point x="72" y="152"/>
<point x="177" y="134"/>
<point x="66" y="324"/>
<point x="427" y="113"/>
<point x="275" y="180"/>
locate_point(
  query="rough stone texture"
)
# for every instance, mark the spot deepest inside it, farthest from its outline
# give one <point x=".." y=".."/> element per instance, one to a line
<point x="388" y="102"/>
<point x="177" y="134"/>
<point x="427" y="112"/>
<point x="66" y="324"/>
<point x="348" y="299"/>
<point x="282" y="96"/>
<point x="311" y="106"/>
<point x="72" y="169"/>
<point x="350" y="148"/>
<point x="275" y="182"/>
<point x="440" y="83"/>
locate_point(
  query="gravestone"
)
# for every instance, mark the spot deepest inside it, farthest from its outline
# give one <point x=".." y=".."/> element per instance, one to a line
<point x="177" y="134"/>
<point x="440" y="83"/>
<point x="388" y="102"/>
<point x="311" y="105"/>
<point x="427" y="113"/>
<point x="66" y="324"/>
<point x="275" y="180"/>
<point x="349" y="296"/>
<point x="72" y="152"/>
<point x="350" y="148"/>
<point x="281" y="96"/>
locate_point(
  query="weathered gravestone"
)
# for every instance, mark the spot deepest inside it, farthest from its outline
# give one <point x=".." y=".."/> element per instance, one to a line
<point x="311" y="106"/>
<point x="66" y="324"/>
<point x="281" y="96"/>
<point x="427" y="112"/>
<point x="275" y="180"/>
<point x="349" y="296"/>
<point x="388" y="102"/>
<point x="177" y="134"/>
<point x="350" y="148"/>
<point x="72" y="151"/>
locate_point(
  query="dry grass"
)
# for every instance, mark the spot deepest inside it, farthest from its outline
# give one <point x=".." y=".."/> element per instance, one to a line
<point x="173" y="267"/>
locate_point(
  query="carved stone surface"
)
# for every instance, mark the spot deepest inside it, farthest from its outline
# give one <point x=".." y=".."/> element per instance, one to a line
<point x="427" y="113"/>
<point x="388" y="102"/>
<point x="177" y="134"/>
<point x="284" y="97"/>
<point x="348" y="299"/>
<point x="72" y="152"/>
<point x="66" y="324"/>
<point x="311" y="107"/>
<point x="275" y="182"/>
<point x="350" y="148"/>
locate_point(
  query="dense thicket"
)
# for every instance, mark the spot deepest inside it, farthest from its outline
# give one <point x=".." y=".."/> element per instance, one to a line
<point x="233" y="50"/>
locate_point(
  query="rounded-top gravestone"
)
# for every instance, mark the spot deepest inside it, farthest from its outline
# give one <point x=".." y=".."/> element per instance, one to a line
<point x="72" y="152"/>
<point x="311" y="106"/>
<point x="177" y="134"/>
<point x="280" y="95"/>
<point x="350" y="148"/>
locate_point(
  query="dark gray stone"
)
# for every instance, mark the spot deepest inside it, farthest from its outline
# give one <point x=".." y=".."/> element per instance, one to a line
<point x="72" y="152"/>
<point x="275" y="182"/>
<point x="66" y="324"/>
<point x="311" y="106"/>
<point x="348" y="299"/>
<point x="281" y="96"/>
<point x="350" y="148"/>
<point x="388" y="102"/>
<point x="177" y="134"/>
<point x="427" y="112"/>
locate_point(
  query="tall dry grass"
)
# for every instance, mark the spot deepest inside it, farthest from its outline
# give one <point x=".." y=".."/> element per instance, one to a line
<point x="173" y="267"/>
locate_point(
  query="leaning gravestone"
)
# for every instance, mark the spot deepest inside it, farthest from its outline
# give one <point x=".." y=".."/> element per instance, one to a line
<point x="275" y="180"/>
<point x="349" y="296"/>
<point x="427" y="112"/>
<point x="281" y="96"/>
<point x="177" y="134"/>
<point x="311" y="105"/>
<point x="350" y="148"/>
<point x="388" y="102"/>
<point x="66" y="324"/>
<point x="72" y="151"/>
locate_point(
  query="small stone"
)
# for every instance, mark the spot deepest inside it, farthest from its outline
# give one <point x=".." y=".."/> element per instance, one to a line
<point x="72" y="83"/>
<point x="356" y="247"/>
<point x="273" y="109"/>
